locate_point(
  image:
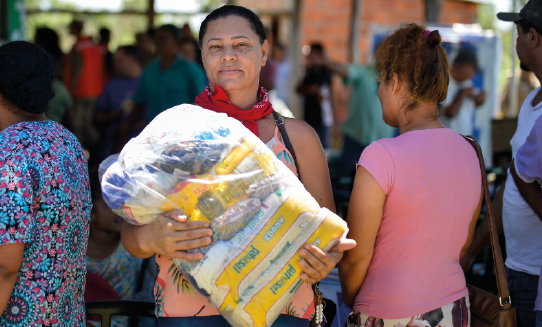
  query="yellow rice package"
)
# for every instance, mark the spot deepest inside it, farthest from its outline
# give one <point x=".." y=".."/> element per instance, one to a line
<point x="214" y="169"/>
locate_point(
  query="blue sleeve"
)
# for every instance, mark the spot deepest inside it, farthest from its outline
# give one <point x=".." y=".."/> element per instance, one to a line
<point x="102" y="103"/>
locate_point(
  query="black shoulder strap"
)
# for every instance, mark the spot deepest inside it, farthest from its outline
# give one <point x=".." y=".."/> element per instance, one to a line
<point x="279" y="121"/>
<point x="141" y="275"/>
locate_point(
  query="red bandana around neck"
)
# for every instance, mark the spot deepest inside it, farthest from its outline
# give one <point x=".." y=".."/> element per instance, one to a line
<point x="219" y="102"/>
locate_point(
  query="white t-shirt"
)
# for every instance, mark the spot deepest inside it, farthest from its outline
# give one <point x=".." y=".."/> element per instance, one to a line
<point x="327" y="107"/>
<point x="282" y="84"/>
<point x="463" y="123"/>
<point x="522" y="227"/>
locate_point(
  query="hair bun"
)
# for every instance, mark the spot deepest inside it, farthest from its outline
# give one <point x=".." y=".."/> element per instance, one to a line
<point x="434" y="39"/>
<point x="32" y="95"/>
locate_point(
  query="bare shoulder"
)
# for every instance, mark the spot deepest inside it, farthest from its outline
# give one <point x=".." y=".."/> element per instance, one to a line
<point x="305" y="141"/>
<point x="311" y="161"/>
<point x="299" y="131"/>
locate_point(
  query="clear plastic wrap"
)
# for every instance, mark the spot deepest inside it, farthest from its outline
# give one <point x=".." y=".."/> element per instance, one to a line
<point x="214" y="169"/>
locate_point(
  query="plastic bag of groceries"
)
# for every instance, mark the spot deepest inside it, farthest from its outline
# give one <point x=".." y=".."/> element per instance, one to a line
<point x="214" y="169"/>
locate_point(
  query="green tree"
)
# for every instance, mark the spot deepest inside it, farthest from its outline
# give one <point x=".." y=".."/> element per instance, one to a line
<point x="140" y="5"/>
<point x="123" y="27"/>
<point x="486" y="16"/>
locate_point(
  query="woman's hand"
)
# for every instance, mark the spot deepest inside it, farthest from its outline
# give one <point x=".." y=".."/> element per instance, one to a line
<point x="317" y="264"/>
<point x="170" y="234"/>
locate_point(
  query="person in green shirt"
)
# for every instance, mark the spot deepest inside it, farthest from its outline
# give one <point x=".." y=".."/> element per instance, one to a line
<point x="364" y="123"/>
<point x="169" y="80"/>
<point x="60" y="104"/>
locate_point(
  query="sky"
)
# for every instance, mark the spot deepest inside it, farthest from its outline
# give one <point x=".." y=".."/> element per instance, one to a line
<point x="500" y="6"/>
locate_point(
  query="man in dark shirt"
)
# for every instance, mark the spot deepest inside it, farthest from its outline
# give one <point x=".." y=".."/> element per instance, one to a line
<point x="316" y="90"/>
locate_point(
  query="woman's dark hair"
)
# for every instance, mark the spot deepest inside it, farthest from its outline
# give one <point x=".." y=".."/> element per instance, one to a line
<point x="192" y="41"/>
<point x="49" y="41"/>
<point x="105" y="34"/>
<point x="130" y="51"/>
<point x="171" y="29"/>
<point x="231" y="10"/>
<point x="26" y="77"/>
<point x="416" y="56"/>
<point x="466" y="56"/>
<point x="317" y="47"/>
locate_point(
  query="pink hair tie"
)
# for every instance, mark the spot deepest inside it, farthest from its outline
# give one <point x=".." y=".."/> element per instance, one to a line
<point x="427" y="32"/>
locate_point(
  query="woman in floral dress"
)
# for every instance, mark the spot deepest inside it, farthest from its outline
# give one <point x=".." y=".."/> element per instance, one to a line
<point x="44" y="199"/>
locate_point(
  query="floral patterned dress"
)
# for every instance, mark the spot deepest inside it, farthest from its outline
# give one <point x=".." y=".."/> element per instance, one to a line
<point x="45" y="203"/>
<point x="456" y="314"/>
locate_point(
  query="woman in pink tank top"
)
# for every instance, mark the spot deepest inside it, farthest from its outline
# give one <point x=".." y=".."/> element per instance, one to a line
<point x="234" y="48"/>
<point x="416" y="198"/>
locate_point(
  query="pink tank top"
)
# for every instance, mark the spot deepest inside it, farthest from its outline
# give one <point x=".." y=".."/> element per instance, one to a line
<point x="176" y="297"/>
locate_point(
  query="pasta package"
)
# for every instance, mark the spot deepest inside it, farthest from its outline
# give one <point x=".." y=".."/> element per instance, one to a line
<point x="213" y="169"/>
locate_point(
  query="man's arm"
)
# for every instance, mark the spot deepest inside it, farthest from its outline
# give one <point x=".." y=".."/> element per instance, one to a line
<point x="452" y="110"/>
<point x="531" y="192"/>
<point x="480" y="98"/>
<point x="526" y="168"/>
<point x="481" y="238"/>
<point x="104" y="117"/>
<point x="308" y="89"/>
<point x="337" y="68"/>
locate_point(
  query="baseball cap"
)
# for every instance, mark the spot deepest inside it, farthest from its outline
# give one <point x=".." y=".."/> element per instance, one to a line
<point x="532" y="12"/>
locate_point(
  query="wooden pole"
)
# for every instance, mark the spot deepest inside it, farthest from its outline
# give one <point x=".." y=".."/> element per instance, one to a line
<point x="513" y="96"/>
<point x="294" y="52"/>
<point x="432" y="10"/>
<point x="4" y="24"/>
<point x="353" y="47"/>
<point x="150" y="14"/>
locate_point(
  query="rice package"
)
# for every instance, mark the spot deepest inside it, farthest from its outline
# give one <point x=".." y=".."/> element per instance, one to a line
<point x="214" y="169"/>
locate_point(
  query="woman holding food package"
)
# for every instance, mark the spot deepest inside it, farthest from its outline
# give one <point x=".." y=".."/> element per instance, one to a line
<point x="234" y="48"/>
